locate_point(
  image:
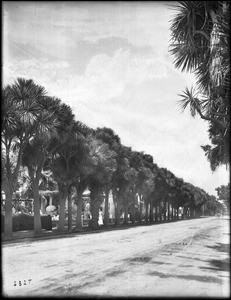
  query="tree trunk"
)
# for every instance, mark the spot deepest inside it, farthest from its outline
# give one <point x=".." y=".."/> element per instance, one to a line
<point x="62" y="202"/>
<point x="118" y="207"/>
<point x="164" y="210"/>
<point x="69" y="212"/>
<point x="172" y="209"/>
<point x="79" y="218"/>
<point x="151" y="210"/>
<point x="8" y="224"/>
<point x="177" y="213"/>
<point x="183" y="214"/>
<point x="125" y="211"/>
<point x="95" y="205"/>
<point x="146" y="210"/>
<point x="133" y="208"/>
<point x="37" y="217"/>
<point x="168" y="210"/>
<point x="106" y="212"/>
<point x="140" y="212"/>
<point x="156" y="213"/>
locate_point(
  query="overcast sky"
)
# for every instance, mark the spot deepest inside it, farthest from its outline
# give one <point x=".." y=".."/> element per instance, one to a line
<point x="110" y="62"/>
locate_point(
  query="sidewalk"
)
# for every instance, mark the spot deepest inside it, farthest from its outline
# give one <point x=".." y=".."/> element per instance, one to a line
<point x="28" y="235"/>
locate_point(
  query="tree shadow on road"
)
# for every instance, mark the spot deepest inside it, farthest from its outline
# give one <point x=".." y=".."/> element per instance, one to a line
<point x="188" y="277"/>
<point x="219" y="265"/>
<point x="221" y="247"/>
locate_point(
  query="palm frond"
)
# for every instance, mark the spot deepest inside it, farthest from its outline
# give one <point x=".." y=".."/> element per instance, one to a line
<point x="189" y="98"/>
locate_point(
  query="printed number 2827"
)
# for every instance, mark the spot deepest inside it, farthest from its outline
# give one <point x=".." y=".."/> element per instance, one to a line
<point x="22" y="282"/>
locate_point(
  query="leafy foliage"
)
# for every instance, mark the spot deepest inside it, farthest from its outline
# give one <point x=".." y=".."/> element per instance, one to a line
<point x="200" y="44"/>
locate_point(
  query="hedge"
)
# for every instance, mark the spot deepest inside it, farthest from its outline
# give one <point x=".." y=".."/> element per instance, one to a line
<point x="26" y="222"/>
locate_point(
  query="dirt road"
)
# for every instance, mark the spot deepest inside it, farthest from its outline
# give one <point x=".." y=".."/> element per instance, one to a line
<point x="184" y="258"/>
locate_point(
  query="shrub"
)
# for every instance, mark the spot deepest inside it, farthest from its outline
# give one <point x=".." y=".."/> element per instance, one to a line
<point x="26" y="222"/>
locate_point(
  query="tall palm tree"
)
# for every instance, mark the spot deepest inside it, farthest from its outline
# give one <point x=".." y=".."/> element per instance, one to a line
<point x="201" y="44"/>
<point x="55" y="128"/>
<point x="69" y="166"/>
<point x="120" y="179"/>
<point x="103" y="165"/>
<point x="20" y="122"/>
<point x="108" y="136"/>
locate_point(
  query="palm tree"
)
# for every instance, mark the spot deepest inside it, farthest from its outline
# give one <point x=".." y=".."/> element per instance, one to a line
<point x="120" y="180"/>
<point x="108" y="136"/>
<point x="103" y="165"/>
<point x="146" y="184"/>
<point x="70" y="167"/>
<point x="200" y="43"/>
<point x="20" y="122"/>
<point x="56" y="120"/>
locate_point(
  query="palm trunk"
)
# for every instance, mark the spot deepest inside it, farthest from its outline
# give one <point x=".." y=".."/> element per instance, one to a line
<point x="133" y="209"/>
<point x="35" y="176"/>
<point x="106" y="212"/>
<point x="140" y="213"/>
<point x="164" y="210"/>
<point x="146" y="210"/>
<point x="62" y="202"/>
<point x="168" y="210"/>
<point x="69" y="212"/>
<point x="151" y="210"/>
<point x="8" y="224"/>
<point x="37" y="217"/>
<point x="125" y="211"/>
<point x="118" y="207"/>
<point x="156" y="212"/>
<point x="79" y="211"/>
<point x="95" y="205"/>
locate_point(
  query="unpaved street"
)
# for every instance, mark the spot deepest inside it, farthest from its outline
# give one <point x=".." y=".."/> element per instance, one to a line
<point x="184" y="258"/>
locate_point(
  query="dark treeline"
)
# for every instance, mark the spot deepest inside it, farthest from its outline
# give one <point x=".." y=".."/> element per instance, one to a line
<point x="45" y="151"/>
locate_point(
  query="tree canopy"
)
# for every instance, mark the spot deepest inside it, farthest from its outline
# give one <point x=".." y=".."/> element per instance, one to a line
<point x="200" y="44"/>
<point x="46" y="152"/>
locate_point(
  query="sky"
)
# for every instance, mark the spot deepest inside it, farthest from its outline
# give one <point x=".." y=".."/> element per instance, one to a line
<point x="110" y="62"/>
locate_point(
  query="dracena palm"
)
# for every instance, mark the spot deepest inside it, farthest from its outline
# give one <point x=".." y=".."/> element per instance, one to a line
<point x="56" y="121"/>
<point x="136" y="176"/>
<point x="200" y="44"/>
<point x="146" y="184"/>
<point x="20" y="109"/>
<point x="69" y="166"/>
<point x="120" y="180"/>
<point x="102" y="166"/>
<point x="108" y="136"/>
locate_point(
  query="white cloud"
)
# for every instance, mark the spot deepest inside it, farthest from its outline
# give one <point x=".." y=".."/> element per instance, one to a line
<point x="111" y="75"/>
<point x="42" y="71"/>
<point x="105" y="77"/>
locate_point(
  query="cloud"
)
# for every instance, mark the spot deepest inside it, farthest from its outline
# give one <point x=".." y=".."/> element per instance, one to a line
<point x="44" y="72"/>
<point x="109" y="76"/>
<point x="142" y="24"/>
<point x="106" y="77"/>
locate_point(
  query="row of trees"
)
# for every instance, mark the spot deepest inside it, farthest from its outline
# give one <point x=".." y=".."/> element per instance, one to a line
<point x="40" y="135"/>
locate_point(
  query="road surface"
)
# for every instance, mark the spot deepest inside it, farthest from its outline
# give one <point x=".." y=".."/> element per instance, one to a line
<point x="184" y="258"/>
